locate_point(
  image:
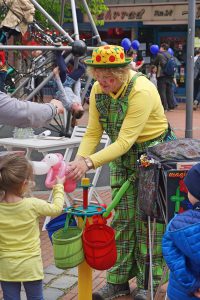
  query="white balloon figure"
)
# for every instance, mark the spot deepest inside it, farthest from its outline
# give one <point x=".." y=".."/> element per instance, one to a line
<point x="43" y="167"/>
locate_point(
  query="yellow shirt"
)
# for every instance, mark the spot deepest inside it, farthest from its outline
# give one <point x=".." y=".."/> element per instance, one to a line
<point x="20" y="253"/>
<point x="145" y="120"/>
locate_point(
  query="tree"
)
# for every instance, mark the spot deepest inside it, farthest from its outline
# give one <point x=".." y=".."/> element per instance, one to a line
<point x="52" y="7"/>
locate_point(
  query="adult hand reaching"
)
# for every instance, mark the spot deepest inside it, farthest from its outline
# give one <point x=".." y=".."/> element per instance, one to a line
<point x="77" y="169"/>
<point x="59" y="105"/>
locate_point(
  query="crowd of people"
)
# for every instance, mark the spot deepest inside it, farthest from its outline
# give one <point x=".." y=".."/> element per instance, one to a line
<point x="130" y="108"/>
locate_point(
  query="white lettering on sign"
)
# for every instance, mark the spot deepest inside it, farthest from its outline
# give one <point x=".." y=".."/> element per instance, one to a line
<point x="154" y="13"/>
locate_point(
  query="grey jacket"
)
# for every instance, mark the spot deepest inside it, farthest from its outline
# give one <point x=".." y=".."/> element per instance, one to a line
<point x="24" y="113"/>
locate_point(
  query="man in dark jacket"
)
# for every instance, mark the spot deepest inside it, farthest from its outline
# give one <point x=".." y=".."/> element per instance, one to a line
<point x="164" y="82"/>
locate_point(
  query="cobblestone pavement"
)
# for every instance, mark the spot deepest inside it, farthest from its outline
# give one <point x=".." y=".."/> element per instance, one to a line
<point x="62" y="284"/>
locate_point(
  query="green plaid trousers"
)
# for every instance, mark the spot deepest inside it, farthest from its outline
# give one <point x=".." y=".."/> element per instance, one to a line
<point x="131" y="230"/>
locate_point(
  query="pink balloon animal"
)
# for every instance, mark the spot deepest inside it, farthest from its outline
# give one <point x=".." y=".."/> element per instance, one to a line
<point x="54" y="165"/>
<point x="60" y="169"/>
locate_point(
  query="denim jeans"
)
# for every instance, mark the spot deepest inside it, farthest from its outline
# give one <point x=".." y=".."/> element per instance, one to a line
<point x="165" y="89"/>
<point x="74" y="75"/>
<point x="33" y="289"/>
<point x="66" y="95"/>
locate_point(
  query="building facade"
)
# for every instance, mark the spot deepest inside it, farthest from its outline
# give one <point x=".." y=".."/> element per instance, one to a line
<point x="150" y="22"/>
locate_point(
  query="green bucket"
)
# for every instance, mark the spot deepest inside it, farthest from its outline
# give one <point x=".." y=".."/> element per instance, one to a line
<point x="67" y="247"/>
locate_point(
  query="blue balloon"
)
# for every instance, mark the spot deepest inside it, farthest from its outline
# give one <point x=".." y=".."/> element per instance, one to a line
<point x="126" y="44"/>
<point x="171" y="51"/>
<point x="154" y="49"/>
<point x="135" y="44"/>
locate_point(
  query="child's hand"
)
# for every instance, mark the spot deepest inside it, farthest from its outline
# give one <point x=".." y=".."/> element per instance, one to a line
<point x="197" y="293"/>
<point x="60" y="180"/>
<point x="56" y="71"/>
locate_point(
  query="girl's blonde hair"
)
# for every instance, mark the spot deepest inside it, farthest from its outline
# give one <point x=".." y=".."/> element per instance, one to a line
<point x="120" y="73"/>
<point x="14" y="171"/>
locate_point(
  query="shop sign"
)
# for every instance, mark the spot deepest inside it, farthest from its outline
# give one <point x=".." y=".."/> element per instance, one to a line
<point x="146" y="13"/>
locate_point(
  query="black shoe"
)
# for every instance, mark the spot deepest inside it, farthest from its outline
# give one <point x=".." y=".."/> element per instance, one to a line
<point x="140" y="294"/>
<point x="111" y="291"/>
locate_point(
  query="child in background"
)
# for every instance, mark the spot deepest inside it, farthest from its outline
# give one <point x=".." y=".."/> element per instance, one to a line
<point x="181" y="245"/>
<point x="39" y="74"/>
<point x="70" y="81"/>
<point x="134" y="65"/>
<point x="20" y="253"/>
<point x="3" y="69"/>
<point x="152" y="75"/>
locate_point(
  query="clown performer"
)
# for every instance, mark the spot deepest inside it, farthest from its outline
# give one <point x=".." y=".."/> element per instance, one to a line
<point x="127" y="106"/>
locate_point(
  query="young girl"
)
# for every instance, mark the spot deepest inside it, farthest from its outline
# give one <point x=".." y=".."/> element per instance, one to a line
<point x="152" y="75"/>
<point x="134" y="64"/>
<point x="20" y="253"/>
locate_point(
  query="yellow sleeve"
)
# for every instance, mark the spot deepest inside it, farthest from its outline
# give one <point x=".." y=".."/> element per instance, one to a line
<point x="94" y="130"/>
<point x="44" y="208"/>
<point x="144" y="120"/>
<point x="138" y="113"/>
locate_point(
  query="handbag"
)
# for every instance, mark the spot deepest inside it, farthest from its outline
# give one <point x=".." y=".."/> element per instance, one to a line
<point x="149" y="198"/>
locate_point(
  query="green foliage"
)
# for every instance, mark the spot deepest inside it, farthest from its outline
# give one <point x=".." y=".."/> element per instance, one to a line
<point x="53" y="8"/>
<point x="96" y="7"/>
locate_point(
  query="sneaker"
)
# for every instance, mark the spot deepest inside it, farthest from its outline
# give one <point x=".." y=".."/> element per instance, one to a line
<point x="140" y="294"/>
<point x="111" y="291"/>
<point x="195" y="104"/>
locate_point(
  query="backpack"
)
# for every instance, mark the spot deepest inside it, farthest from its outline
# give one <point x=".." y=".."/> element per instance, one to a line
<point x="170" y="66"/>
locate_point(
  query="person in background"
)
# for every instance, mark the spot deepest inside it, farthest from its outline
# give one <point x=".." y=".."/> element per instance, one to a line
<point x="196" y="54"/>
<point x="67" y="82"/>
<point x="20" y="113"/>
<point x="3" y="69"/>
<point x="196" y="79"/>
<point x="164" y="82"/>
<point x="127" y="106"/>
<point x="135" y="66"/>
<point x="39" y="74"/>
<point x="152" y="75"/>
<point x="180" y="245"/>
<point x="175" y="86"/>
<point x="20" y="258"/>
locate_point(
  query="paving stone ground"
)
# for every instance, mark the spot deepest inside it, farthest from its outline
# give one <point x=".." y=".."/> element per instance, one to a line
<point x="62" y="284"/>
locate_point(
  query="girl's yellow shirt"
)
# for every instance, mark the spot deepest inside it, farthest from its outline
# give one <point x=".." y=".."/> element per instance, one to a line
<point x="20" y="253"/>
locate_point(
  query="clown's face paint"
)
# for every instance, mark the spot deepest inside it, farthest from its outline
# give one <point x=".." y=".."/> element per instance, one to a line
<point x="107" y="82"/>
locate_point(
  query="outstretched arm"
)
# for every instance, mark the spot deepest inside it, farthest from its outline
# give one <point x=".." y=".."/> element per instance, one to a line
<point x="25" y="113"/>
